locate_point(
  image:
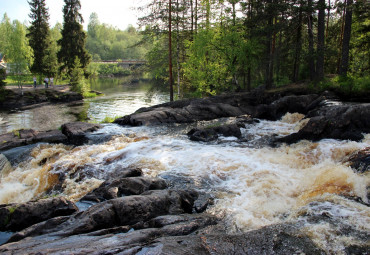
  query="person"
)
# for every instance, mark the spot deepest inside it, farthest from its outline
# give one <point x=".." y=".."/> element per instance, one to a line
<point x="34" y="81"/>
<point x="51" y="81"/>
<point x="46" y="80"/>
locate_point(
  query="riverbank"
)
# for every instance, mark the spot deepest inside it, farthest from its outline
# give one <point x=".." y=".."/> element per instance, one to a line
<point x="15" y="98"/>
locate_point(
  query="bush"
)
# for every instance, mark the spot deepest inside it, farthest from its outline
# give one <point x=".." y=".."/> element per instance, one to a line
<point x="77" y="79"/>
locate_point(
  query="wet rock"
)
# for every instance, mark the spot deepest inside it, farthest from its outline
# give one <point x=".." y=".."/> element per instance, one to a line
<point x="52" y="136"/>
<point x="15" y="217"/>
<point x="201" y="204"/>
<point x="130" y="210"/>
<point x="278" y="108"/>
<point x="116" y="240"/>
<point x="75" y="131"/>
<point x="211" y="133"/>
<point x="360" y="161"/>
<point x="270" y="106"/>
<point x="24" y="137"/>
<point x="124" y="187"/>
<point x="15" y="99"/>
<point x="269" y="240"/>
<point x="345" y="122"/>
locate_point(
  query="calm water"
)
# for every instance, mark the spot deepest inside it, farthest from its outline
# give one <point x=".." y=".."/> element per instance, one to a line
<point x="120" y="98"/>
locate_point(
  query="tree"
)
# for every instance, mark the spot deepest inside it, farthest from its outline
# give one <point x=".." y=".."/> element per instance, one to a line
<point x="19" y="54"/>
<point x="72" y="43"/>
<point x="346" y="39"/>
<point x="39" y="36"/>
<point x="320" y="40"/>
<point x="170" y="49"/>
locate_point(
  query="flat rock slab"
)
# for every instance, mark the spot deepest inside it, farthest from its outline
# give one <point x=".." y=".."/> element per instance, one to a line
<point x="29" y="136"/>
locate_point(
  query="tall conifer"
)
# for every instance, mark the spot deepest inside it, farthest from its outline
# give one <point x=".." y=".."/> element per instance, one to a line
<point x="73" y="37"/>
<point x="38" y="34"/>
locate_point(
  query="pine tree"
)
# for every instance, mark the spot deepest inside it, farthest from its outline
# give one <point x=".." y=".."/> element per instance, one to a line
<point x="38" y="34"/>
<point x="73" y="38"/>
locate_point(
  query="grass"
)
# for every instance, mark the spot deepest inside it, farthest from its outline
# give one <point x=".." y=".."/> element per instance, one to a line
<point x="109" y="119"/>
<point x="347" y="84"/>
<point x="16" y="133"/>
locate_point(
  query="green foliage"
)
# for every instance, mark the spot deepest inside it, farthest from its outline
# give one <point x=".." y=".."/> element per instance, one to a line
<point x="72" y="43"/>
<point x="113" y="69"/>
<point x="105" y="42"/>
<point x="77" y="79"/>
<point x="39" y="36"/>
<point x="2" y="78"/>
<point x="346" y="84"/>
<point x="109" y="119"/>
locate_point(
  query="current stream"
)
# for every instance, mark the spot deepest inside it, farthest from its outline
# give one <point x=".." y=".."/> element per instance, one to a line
<point x="253" y="184"/>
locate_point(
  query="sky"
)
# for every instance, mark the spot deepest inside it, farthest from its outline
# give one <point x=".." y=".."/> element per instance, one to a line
<point x="118" y="13"/>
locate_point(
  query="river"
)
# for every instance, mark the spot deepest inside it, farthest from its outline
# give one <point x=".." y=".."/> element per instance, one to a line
<point x="120" y="98"/>
<point x="253" y="185"/>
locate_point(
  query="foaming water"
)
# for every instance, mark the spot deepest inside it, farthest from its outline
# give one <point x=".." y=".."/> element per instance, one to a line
<point x="253" y="186"/>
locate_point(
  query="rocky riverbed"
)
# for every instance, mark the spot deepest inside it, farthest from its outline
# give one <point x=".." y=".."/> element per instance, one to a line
<point x="100" y="194"/>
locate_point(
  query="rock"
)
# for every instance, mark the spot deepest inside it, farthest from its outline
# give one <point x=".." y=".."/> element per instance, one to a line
<point x="75" y="131"/>
<point x="24" y="137"/>
<point x="345" y="122"/>
<point x="117" y="240"/>
<point x="211" y="133"/>
<point x="15" y="217"/>
<point x="52" y="136"/>
<point x="16" y="100"/>
<point x="270" y="106"/>
<point x="123" y="211"/>
<point x="360" y="160"/>
<point x="277" y="239"/>
<point x="201" y="204"/>
<point x="202" y="135"/>
<point x="124" y="187"/>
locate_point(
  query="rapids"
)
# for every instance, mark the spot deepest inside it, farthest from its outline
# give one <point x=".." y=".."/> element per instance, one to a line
<point x="253" y="184"/>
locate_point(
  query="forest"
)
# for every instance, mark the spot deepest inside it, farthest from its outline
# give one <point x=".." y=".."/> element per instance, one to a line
<point x="207" y="47"/>
<point x="233" y="45"/>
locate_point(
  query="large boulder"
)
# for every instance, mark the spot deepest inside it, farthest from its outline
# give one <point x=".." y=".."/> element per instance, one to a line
<point x="76" y="131"/>
<point x="14" y="217"/>
<point x="346" y="122"/>
<point x="211" y="133"/>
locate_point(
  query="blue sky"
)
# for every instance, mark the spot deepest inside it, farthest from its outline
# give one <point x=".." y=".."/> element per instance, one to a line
<point x="118" y="13"/>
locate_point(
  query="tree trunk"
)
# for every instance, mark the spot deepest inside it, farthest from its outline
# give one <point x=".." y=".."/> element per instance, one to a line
<point x="178" y="49"/>
<point x="341" y="38"/>
<point x="196" y="16"/>
<point x="192" y="18"/>
<point x="320" y="41"/>
<point x="311" y="59"/>
<point x="170" y="48"/>
<point x="346" y="39"/>
<point x="298" y="46"/>
<point x="269" y="52"/>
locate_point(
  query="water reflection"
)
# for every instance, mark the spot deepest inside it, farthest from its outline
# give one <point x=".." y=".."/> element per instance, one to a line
<point x="120" y="98"/>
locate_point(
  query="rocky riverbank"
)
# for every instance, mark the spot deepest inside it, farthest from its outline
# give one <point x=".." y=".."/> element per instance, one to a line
<point x="132" y="213"/>
<point x="16" y="99"/>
